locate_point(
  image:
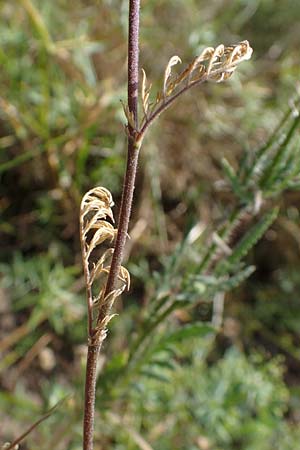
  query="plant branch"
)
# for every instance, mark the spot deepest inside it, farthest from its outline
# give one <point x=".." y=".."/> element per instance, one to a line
<point x="220" y="65"/>
<point x="90" y="395"/>
<point x="133" y="150"/>
<point x="133" y="57"/>
<point x="170" y="100"/>
<point x="165" y="105"/>
<point x="95" y="341"/>
<point x="215" y="64"/>
<point x="15" y="444"/>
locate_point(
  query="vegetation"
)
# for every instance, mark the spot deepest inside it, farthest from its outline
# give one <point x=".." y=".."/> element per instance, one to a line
<point x="214" y="220"/>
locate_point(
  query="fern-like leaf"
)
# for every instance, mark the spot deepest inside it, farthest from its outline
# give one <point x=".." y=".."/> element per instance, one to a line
<point x="198" y="329"/>
<point x="252" y="237"/>
<point x="208" y="284"/>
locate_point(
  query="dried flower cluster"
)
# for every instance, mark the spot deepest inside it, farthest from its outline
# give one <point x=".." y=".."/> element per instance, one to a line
<point x="214" y="64"/>
<point x="96" y="229"/>
<point x="96" y="217"/>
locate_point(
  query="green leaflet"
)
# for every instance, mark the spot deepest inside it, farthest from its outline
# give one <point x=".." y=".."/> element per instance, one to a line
<point x="198" y="329"/>
<point x="213" y="284"/>
<point x="233" y="178"/>
<point x="252" y="237"/>
<point x="155" y="376"/>
<point x="275" y="163"/>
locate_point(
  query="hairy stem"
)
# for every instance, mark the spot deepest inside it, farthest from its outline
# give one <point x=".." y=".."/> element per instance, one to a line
<point x="133" y="149"/>
<point x="133" y="57"/>
<point x="124" y="216"/>
<point x="90" y="395"/>
<point x="165" y="105"/>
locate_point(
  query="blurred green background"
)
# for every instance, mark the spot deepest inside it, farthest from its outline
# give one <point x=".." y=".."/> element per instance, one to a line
<point x="63" y="74"/>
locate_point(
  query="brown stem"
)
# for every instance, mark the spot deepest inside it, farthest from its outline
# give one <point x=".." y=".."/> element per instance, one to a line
<point x="165" y="105"/>
<point x="133" y="57"/>
<point x="16" y="442"/>
<point x="124" y="216"/>
<point x="132" y="152"/>
<point x="90" y="395"/>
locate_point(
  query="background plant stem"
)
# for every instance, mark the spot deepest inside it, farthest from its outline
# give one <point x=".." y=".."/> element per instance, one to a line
<point x="124" y="216"/>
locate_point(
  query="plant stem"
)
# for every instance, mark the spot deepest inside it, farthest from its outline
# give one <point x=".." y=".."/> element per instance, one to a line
<point x="17" y="441"/>
<point x="133" y="149"/>
<point x="124" y="216"/>
<point x="133" y="57"/>
<point x="90" y="395"/>
<point x="39" y="24"/>
<point x="170" y="100"/>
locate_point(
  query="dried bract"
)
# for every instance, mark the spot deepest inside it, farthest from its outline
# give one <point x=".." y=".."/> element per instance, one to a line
<point x="129" y="115"/>
<point x="145" y="93"/>
<point x="96" y="229"/>
<point x="172" y="62"/>
<point x="213" y="64"/>
<point x="216" y="64"/>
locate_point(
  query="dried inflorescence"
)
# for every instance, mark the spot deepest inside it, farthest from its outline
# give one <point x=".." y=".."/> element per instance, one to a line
<point x="214" y="64"/>
<point x="96" y="230"/>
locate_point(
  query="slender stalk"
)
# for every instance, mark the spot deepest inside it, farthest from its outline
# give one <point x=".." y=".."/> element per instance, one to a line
<point x="124" y="216"/>
<point x="165" y="105"/>
<point x="133" y="57"/>
<point x="132" y="153"/>
<point x="156" y="112"/>
<point x="125" y="210"/>
<point x="39" y="24"/>
<point x="16" y="442"/>
<point x="133" y="150"/>
<point x="90" y="395"/>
